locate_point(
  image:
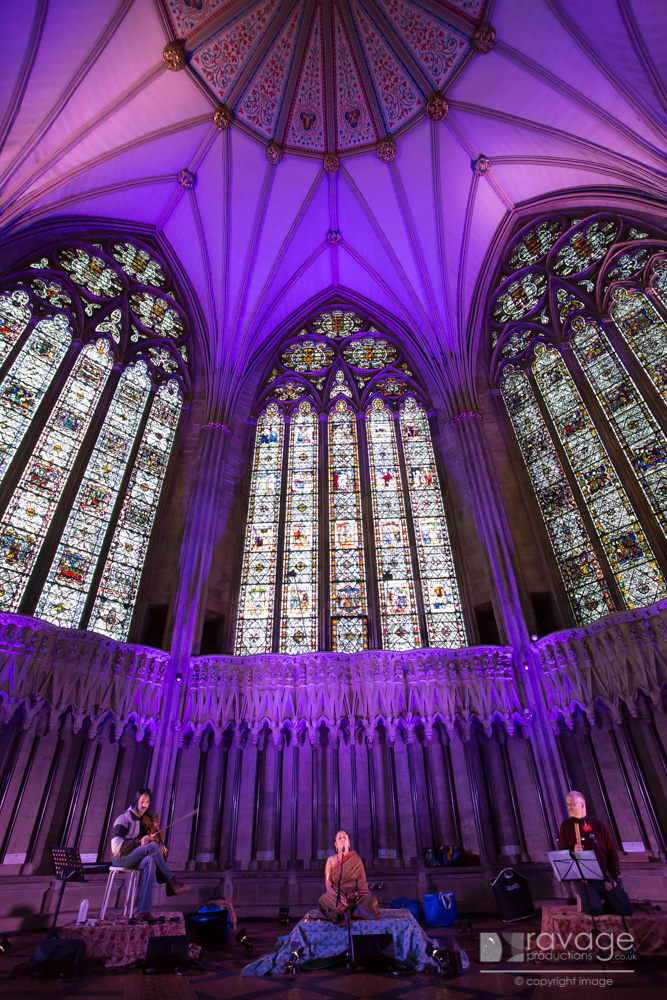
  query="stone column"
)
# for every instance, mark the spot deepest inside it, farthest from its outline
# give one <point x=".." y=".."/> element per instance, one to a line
<point x="201" y="522"/>
<point x="494" y="532"/>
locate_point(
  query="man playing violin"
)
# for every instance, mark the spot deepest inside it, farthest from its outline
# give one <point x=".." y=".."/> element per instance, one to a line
<point x="133" y="847"/>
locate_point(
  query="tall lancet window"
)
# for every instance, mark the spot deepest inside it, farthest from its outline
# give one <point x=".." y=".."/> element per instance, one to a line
<point x="440" y="587"/>
<point x="359" y="551"/>
<point x="585" y="395"/>
<point x="93" y="373"/>
<point x="349" y="610"/>
<point x="254" y="629"/>
<point x="298" y="621"/>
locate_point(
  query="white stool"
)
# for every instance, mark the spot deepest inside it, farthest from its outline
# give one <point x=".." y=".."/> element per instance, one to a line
<point x="131" y="889"/>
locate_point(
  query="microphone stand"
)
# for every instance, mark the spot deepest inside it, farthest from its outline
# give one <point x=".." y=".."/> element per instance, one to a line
<point x="349" y="929"/>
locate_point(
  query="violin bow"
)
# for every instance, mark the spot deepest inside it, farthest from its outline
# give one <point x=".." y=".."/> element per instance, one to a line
<point x="181" y="819"/>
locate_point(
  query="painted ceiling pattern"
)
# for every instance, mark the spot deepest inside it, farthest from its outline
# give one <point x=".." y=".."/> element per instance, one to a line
<point x="388" y="59"/>
<point x="95" y="130"/>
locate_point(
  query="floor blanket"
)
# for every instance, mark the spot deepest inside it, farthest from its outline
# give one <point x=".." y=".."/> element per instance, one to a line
<point x="319" y="943"/>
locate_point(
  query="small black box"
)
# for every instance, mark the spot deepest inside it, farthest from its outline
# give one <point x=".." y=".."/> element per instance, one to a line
<point x="167" y="954"/>
<point x="373" y="952"/>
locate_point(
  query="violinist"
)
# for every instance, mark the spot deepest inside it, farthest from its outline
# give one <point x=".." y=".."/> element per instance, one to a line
<point x="133" y="846"/>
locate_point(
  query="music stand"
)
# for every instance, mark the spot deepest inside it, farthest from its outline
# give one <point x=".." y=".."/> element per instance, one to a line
<point x="69" y="868"/>
<point x="569" y="866"/>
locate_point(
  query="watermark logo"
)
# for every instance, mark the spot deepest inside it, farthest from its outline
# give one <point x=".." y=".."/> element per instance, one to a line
<point x="584" y="946"/>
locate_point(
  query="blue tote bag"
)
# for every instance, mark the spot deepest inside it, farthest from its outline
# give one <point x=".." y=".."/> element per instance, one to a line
<point x="440" y="909"/>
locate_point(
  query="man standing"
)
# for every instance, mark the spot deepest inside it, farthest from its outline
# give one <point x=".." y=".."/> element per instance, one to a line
<point x="581" y="833"/>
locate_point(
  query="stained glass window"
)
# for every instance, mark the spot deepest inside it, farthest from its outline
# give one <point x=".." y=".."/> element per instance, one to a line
<point x="117" y="591"/>
<point x="298" y="622"/>
<point x="520" y="297"/>
<point x="14" y="318"/>
<point x="340" y="386"/>
<point x="138" y="263"/>
<point x="370" y="353"/>
<point x="290" y="390"/>
<point x="440" y="591"/>
<point x="534" y="244"/>
<point x="645" y="331"/>
<point x="50" y="360"/>
<point x="584" y="247"/>
<point x="517" y="342"/>
<point x="630" y="556"/>
<point x="90" y="272"/>
<point x="69" y="578"/>
<point x="567" y="303"/>
<point x="308" y="356"/>
<point x="28" y="515"/>
<point x="391" y="386"/>
<point x="635" y="427"/>
<point x="51" y="291"/>
<point x="24" y="385"/>
<point x="580" y="570"/>
<point x="254" y="627"/>
<point x="346" y="542"/>
<point x="156" y="314"/>
<point x="337" y="323"/>
<point x="398" y="614"/>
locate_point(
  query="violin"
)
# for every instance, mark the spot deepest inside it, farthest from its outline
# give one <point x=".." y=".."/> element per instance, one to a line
<point x="150" y="825"/>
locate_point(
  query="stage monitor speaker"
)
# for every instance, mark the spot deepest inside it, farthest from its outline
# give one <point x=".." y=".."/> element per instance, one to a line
<point x="167" y="954"/>
<point x="373" y="952"/>
<point x="58" y="958"/>
<point x="513" y="896"/>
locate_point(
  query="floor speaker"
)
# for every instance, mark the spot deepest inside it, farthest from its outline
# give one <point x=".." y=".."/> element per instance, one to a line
<point x="58" y="958"/>
<point x="167" y="954"/>
<point x="373" y="952"/>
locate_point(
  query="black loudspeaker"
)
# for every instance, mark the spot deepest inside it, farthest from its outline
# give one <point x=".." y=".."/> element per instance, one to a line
<point x="167" y="954"/>
<point x="58" y="958"/>
<point x="513" y="896"/>
<point x="373" y="952"/>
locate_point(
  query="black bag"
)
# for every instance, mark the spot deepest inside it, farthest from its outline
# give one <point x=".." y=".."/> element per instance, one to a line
<point x="513" y="896"/>
<point x="209" y="927"/>
<point x="619" y="901"/>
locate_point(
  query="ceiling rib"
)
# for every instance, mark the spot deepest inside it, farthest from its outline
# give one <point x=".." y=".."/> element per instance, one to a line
<point x="362" y="69"/>
<point x="294" y="74"/>
<point x="329" y="69"/>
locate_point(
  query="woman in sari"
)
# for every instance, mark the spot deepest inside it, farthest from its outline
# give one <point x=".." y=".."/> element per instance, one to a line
<point x="346" y="885"/>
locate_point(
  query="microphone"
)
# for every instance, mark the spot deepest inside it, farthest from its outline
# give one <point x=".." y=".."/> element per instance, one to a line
<point x="342" y="850"/>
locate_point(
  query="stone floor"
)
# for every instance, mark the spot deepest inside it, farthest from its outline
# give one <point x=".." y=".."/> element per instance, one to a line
<point x="219" y="978"/>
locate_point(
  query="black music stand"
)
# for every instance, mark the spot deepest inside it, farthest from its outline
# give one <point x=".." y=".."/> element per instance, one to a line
<point x="580" y="866"/>
<point x="69" y="868"/>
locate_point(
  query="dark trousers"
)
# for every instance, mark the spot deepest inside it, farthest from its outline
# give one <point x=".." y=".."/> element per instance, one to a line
<point x="147" y="859"/>
<point x="592" y="893"/>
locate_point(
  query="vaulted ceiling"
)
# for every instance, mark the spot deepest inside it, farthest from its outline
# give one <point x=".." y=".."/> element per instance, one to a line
<point x="264" y="162"/>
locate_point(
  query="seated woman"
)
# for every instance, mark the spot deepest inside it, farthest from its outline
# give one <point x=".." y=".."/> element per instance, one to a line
<point x="345" y="870"/>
